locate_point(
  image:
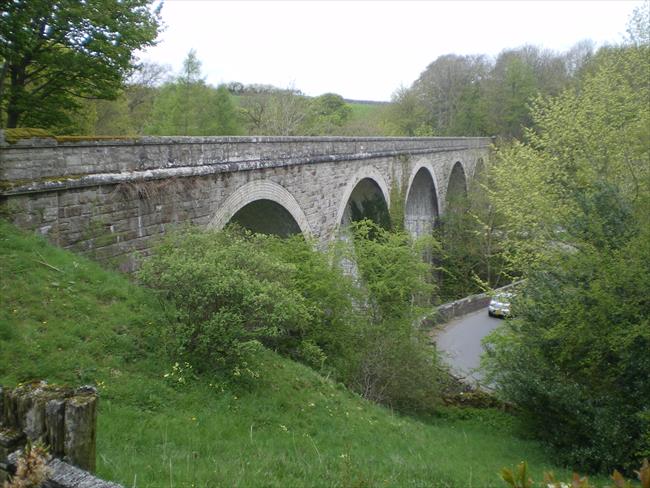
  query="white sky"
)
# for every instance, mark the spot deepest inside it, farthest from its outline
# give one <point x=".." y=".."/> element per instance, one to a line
<point x="366" y="49"/>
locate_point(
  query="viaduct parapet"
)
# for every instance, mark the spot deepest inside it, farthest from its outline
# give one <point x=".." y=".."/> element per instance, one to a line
<point x="109" y="198"/>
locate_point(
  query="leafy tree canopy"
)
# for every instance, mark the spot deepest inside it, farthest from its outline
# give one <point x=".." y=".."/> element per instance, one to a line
<point x="54" y="52"/>
<point x="576" y="201"/>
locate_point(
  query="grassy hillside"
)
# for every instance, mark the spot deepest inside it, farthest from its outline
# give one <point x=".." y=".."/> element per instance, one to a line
<point x="64" y="319"/>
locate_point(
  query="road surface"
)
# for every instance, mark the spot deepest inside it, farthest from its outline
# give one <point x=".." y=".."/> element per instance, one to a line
<point x="460" y="342"/>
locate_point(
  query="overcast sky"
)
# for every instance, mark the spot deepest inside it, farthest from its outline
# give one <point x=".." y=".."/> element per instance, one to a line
<point x="365" y="50"/>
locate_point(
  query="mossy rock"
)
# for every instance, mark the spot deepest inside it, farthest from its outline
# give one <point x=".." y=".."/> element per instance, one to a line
<point x="94" y="138"/>
<point x="12" y="136"/>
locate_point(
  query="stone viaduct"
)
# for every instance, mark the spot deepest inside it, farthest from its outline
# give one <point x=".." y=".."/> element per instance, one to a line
<point x="109" y="198"/>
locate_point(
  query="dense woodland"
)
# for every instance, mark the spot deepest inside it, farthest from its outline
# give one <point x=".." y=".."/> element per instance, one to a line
<point x="564" y="204"/>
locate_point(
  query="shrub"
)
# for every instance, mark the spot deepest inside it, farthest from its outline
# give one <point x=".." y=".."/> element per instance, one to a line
<point x="396" y="365"/>
<point x="234" y="292"/>
<point x="228" y="299"/>
<point x="576" y="357"/>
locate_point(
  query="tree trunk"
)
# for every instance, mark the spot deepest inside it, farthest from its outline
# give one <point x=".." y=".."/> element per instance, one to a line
<point x="13" y="116"/>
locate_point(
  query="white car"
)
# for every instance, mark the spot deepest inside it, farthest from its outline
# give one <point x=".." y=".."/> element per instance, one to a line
<point x="500" y="305"/>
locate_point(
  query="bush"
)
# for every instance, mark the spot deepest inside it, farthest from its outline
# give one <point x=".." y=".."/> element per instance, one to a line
<point x="397" y="365"/>
<point x="576" y="358"/>
<point x="233" y="292"/>
<point x="228" y="297"/>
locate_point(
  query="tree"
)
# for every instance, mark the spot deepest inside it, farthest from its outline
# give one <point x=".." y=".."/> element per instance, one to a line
<point x="406" y="116"/>
<point x="449" y="86"/>
<point x="638" y="28"/>
<point x="188" y="106"/>
<point x="576" y="202"/>
<point x="54" y="52"/>
<point x="327" y="114"/>
<point x="470" y="233"/>
<point x="273" y="111"/>
<point x="141" y="90"/>
<point x="512" y="86"/>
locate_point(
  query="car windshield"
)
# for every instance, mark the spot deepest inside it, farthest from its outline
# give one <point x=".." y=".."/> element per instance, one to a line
<point x="502" y="297"/>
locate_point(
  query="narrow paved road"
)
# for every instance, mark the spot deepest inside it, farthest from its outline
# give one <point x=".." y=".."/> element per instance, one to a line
<point x="460" y="342"/>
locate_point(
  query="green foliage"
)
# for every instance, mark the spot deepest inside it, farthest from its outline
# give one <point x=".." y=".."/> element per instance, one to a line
<point x="295" y="428"/>
<point x="474" y="96"/>
<point x="513" y="87"/>
<point x="229" y="297"/>
<point x="575" y="358"/>
<point x="406" y="115"/>
<point x="585" y="141"/>
<point x="55" y="52"/>
<point x="397" y="366"/>
<point x="397" y="280"/>
<point x="233" y="291"/>
<point x="188" y="106"/>
<point x="471" y="237"/>
<point x="518" y="478"/>
<point x="274" y="112"/>
<point x="327" y="114"/>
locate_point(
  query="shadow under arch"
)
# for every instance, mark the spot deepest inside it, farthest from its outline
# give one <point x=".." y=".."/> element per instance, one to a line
<point x="265" y="207"/>
<point x="456" y="194"/>
<point x="421" y="208"/>
<point x="365" y="196"/>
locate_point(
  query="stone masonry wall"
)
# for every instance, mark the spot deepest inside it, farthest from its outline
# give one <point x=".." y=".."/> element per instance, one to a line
<point x="63" y="419"/>
<point x="108" y="199"/>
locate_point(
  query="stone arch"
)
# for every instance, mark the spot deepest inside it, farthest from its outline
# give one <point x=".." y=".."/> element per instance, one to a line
<point x="262" y="195"/>
<point x="421" y="207"/>
<point x="456" y="185"/>
<point x="364" y="181"/>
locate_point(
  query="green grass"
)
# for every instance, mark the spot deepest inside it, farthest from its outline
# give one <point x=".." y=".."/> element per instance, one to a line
<point x="64" y="319"/>
<point x="363" y="110"/>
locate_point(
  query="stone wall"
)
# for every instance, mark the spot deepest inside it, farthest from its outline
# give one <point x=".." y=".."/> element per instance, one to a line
<point x="111" y="199"/>
<point x="450" y="310"/>
<point x="63" y="419"/>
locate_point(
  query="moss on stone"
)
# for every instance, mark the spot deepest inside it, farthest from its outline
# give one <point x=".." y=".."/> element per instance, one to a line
<point x="12" y="136"/>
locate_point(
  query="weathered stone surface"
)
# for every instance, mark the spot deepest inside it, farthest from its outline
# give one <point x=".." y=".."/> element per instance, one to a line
<point x="80" y="428"/>
<point x="62" y="418"/>
<point x="64" y="475"/>
<point x="107" y="199"/>
<point x="10" y="440"/>
<point x="55" y="426"/>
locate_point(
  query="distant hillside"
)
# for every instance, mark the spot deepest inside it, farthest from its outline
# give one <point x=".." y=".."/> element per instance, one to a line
<point x="365" y="102"/>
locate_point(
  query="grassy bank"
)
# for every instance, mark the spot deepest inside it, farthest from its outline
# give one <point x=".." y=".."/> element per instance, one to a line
<point x="64" y="319"/>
